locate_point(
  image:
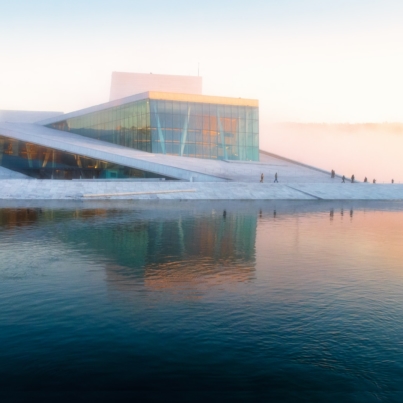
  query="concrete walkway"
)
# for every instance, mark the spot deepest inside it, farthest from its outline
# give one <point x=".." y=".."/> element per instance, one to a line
<point x="23" y="189"/>
<point x="8" y="174"/>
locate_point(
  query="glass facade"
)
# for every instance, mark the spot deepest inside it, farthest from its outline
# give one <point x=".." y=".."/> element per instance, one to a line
<point x="191" y="129"/>
<point x="127" y="125"/>
<point x="46" y="163"/>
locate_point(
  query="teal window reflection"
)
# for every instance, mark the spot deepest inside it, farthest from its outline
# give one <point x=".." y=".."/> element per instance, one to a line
<point x="42" y="162"/>
<point x="201" y="130"/>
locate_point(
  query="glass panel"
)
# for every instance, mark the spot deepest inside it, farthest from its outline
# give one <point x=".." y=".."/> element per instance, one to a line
<point x="176" y="108"/>
<point x="176" y="135"/>
<point x="168" y="107"/>
<point x="160" y="105"/>
<point x="213" y="110"/>
<point x="191" y="149"/>
<point x="206" y="123"/>
<point x="154" y="120"/>
<point x="45" y="163"/>
<point x="130" y="125"/>
<point x="168" y="147"/>
<point x="255" y="126"/>
<point x="192" y="134"/>
<point x="168" y="120"/>
<point x="168" y="135"/>
<point x="197" y="109"/>
<point x="199" y="150"/>
<point x="184" y="108"/>
<point x="199" y="122"/>
<point x="177" y="122"/>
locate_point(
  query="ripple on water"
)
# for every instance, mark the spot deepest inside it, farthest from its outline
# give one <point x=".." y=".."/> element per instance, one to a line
<point x="247" y="306"/>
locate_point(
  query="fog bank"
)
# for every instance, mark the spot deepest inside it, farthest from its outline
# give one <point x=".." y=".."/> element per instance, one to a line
<point x="373" y="150"/>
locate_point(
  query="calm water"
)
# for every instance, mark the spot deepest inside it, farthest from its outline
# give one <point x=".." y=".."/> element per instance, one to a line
<point x="186" y="302"/>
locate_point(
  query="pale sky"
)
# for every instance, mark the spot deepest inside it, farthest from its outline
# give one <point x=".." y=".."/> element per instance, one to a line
<point x="305" y="60"/>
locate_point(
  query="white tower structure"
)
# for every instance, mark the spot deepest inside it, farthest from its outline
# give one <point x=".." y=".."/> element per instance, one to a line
<point x="127" y="84"/>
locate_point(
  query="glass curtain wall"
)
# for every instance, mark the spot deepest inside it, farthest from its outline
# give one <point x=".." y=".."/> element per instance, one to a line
<point x="126" y="125"/>
<point x="202" y="130"/>
<point x="205" y="130"/>
<point x="46" y="163"/>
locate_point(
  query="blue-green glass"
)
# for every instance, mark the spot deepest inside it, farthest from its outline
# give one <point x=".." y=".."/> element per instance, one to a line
<point x="192" y="136"/>
<point x="168" y="135"/>
<point x="255" y="126"/>
<point x="62" y="165"/>
<point x="184" y="108"/>
<point x="176" y="135"/>
<point x="142" y="122"/>
<point x="220" y="131"/>
<point x="176" y="108"/>
<point x="198" y="109"/>
<point x="168" y="120"/>
<point x="177" y="121"/>
<point x="199" y="122"/>
<point x="191" y="149"/>
<point x="158" y="106"/>
<point x="168" y="107"/>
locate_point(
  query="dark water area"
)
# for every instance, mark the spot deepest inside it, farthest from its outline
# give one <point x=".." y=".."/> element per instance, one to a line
<point x="193" y="301"/>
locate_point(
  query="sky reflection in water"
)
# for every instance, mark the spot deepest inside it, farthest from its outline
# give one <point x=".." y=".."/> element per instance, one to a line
<point x="183" y="301"/>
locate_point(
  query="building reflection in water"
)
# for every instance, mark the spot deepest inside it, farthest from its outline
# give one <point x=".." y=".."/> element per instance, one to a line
<point x="10" y="218"/>
<point x="158" y="249"/>
<point x="171" y="248"/>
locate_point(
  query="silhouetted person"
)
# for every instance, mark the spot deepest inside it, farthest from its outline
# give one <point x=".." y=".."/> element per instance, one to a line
<point x="224" y="213"/>
<point x="275" y="177"/>
<point x="365" y="180"/>
<point x="374" y="181"/>
<point x="274" y="213"/>
<point x="333" y="174"/>
<point x="393" y="181"/>
<point x="343" y="179"/>
<point x="260" y="213"/>
<point x="352" y="178"/>
<point x="261" y="178"/>
<point x="331" y="213"/>
<point x="351" y="212"/>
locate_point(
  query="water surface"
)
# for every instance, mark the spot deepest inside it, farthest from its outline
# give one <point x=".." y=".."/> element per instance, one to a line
<point x="194" y="301"/>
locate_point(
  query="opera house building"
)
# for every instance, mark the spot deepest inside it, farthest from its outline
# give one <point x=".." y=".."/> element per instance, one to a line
<point x="127" y="137"/>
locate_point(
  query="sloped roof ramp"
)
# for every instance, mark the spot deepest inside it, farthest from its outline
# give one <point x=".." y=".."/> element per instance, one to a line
<point x="104" y="151"/>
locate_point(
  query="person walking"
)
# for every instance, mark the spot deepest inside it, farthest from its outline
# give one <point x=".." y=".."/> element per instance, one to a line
<point x="261" y="177"/>
<point x="275" y="177"/>
<point x="343" y="179"/>
<point x="352" y="178"/>
<point x="365" y="180"/>
<point x="374" y="181"/>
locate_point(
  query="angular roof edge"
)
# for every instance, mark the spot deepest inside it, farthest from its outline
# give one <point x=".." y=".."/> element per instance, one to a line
<point x="95" y="108"/>
<point x="205" y="99"/>
<point x="168" y="96"/>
